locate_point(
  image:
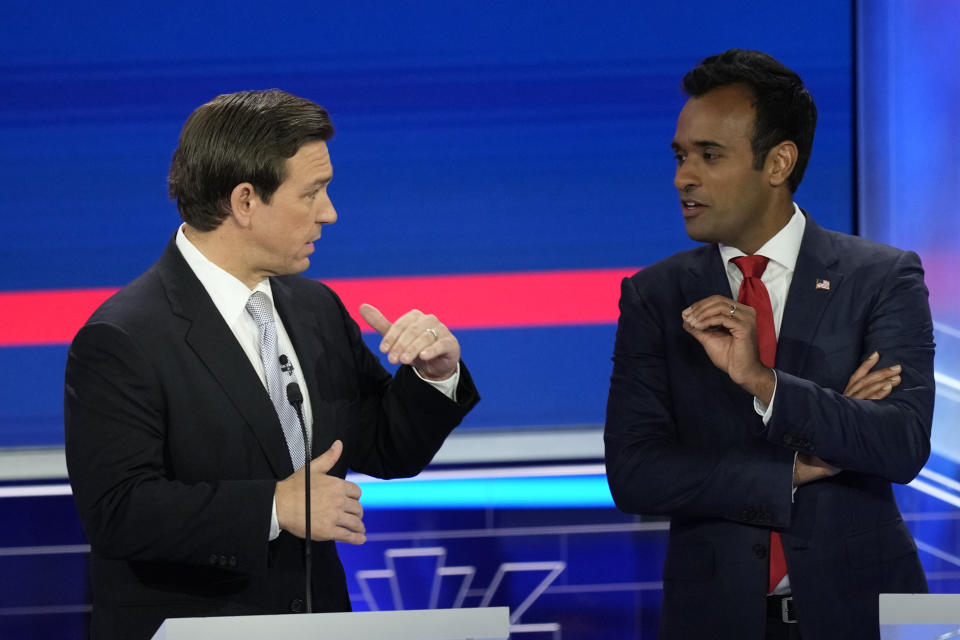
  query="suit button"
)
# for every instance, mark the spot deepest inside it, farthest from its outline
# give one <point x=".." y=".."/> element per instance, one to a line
<point x="223" y="561"/>
<point x="787" y="439"/>
<point x="233" y="561"/>
<point x="759" y="551"/>
<point x="213" y="558"/>
<point x="296" y="605"/>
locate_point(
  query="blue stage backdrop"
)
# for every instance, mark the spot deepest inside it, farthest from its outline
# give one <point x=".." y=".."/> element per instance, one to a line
<point x="476" y="141"/>
<point x="501" y="162"/>
<point x="909" y="159"/>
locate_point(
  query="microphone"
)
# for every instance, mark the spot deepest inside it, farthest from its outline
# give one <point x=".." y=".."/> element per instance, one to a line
<point x="295" y="398"/>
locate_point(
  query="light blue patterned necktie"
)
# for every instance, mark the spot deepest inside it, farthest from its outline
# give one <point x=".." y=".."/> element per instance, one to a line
<point x="261" y="310"/>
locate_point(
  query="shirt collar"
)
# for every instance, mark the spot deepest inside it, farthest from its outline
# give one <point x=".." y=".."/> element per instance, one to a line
<point x="228" y="293"/>
<point x="783" y="248"/>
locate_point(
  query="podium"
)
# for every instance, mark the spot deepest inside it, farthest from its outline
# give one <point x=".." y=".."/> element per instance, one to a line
<point x="919" y="616"/>
<point x="490" y="623"/>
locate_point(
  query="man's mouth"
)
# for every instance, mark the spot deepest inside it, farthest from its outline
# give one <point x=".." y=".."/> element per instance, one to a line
<point x="691" y="207"/>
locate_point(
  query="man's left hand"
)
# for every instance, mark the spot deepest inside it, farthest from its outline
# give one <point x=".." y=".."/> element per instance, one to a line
<point x="730" y="340"/>
<point x="416" y="339"/>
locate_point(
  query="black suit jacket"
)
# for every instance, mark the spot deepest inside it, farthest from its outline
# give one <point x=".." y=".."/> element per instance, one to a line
<point x="683" y="440"/>
<point x="174" y="448"/>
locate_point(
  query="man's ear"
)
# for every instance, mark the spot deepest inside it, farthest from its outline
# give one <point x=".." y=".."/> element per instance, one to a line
<point x="243" y="200"/>
<point x="781" y="161"/>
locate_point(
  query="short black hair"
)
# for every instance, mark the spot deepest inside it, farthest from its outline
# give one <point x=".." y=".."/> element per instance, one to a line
<point x="235" y="138"/>
<point x="785" y="109"/>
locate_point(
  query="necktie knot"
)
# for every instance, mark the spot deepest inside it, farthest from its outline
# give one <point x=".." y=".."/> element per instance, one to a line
<point x="259" y="308"/>
<point x="751" y="266"/>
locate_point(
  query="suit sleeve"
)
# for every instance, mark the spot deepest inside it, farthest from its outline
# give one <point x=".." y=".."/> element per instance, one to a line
<point x="889" y="438"/>
<point x="650" y="468"/>
<point x="115" y="420"/>
<point x="398" y="423"/>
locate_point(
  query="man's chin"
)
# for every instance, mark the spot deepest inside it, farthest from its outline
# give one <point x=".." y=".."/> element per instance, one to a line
<point x="294" y="268"/>
<point x="697" y="232"/>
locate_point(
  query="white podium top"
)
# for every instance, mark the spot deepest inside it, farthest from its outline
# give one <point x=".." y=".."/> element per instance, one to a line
<point x="920" y="608"/>
<point x="490" y="623"/>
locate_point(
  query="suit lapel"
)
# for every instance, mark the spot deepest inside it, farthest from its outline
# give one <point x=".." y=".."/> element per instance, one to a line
<point x="214" y="344"/>
<point x="705" y="276"/>
<point x="815" y="281"/>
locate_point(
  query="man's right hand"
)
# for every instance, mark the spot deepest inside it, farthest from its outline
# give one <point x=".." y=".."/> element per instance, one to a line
<point x="335" y="510"/>
<point x="864" y="385"/>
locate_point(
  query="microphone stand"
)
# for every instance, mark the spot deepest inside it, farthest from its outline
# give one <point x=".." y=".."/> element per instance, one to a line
<point x="295" y="398"/>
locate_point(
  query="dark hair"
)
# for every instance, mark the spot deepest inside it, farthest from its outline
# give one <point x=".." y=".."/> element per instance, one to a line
<point x="785" y="109"/>
<point x="239" y="137"/>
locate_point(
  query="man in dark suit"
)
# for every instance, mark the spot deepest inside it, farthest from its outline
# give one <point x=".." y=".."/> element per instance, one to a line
<point x="737" y="415"/>
<point x="185" y="459"/>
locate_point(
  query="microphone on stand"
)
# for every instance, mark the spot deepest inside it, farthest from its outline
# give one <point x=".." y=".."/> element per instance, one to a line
<point x="295" y="398"/>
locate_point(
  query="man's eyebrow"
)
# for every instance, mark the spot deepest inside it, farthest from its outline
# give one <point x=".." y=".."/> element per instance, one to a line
<point x="701" y="144"/>
<point x="708" y="143"/>
<point x="319" y="182"/>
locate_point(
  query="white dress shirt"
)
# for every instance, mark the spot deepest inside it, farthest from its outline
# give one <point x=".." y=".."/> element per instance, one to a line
<point x="782" y="250"/>
<point x="230" y="297"/>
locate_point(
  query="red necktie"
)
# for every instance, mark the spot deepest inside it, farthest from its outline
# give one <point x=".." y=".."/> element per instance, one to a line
<point x="753" y="293"/>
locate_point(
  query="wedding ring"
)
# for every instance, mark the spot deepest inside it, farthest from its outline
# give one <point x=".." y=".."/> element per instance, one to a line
<point x="433" y="332"/>
<point x="733" y="309"/>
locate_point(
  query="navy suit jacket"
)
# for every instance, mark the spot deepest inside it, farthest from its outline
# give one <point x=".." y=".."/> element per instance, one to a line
<point x="174" y="448"/>
<point x="685" y="441"/>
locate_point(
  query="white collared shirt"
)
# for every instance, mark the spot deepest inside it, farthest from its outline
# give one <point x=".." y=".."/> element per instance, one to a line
<point x="782" y="250"/>
<point x="230" y="297"/>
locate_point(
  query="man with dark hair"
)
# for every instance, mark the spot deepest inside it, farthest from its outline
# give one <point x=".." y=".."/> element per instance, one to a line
<point x="184" y="449"/>
<point x="784" y="108"/>
<point x="225" y="142"/>
<point x="742" y="402"/>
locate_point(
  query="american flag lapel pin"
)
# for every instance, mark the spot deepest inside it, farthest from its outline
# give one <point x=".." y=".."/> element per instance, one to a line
<point x="822" y="285"/>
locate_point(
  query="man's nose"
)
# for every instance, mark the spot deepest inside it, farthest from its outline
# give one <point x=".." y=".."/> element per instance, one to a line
<point x="685" y="178"/>
<point x="327" y="213"/>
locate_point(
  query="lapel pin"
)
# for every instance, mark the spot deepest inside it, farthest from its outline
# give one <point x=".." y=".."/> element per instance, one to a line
<point x="822" y="285"/>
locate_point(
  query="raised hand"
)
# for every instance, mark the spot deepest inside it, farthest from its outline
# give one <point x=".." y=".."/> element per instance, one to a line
<point x="416" y="339"/>
<point x="730" y="341"/>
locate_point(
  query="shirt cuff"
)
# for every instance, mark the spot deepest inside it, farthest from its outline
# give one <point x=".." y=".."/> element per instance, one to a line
<point x="766" y="410"/>
<point x="447" y="387"/>
<point x="793" y="471"/>
<point x="274" y="522"/>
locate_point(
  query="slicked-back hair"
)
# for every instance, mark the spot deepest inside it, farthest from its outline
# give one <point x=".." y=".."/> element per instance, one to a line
<point x="235" y="138"/>
<point x="785" y="109"/>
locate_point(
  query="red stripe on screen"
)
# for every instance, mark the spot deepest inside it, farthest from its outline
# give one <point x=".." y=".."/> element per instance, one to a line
<point x="461" y="301"/>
